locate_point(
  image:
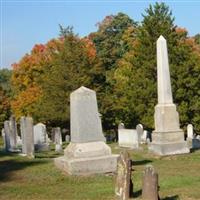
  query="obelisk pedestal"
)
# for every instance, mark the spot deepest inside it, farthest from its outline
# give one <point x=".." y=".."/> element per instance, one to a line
<point x="87" y="152"/>
<point x="167" y="138"/>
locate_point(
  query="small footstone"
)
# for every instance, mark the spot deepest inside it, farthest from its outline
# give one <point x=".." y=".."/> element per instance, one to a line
<point x="124" y="185"/>
<point x="150" y="184"/>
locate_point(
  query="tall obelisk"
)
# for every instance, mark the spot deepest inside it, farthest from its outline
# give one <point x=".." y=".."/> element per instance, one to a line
<point x="167" y="138"/>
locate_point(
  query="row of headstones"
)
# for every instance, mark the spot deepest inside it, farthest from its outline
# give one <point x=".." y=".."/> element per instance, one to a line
<point x="124" y="184"/>
<point x="132" y="138"/>
<point x="32" y="137"/>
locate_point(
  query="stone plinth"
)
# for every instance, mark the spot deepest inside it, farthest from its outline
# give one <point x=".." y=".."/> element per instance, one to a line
<point x="167" y="138"/>
<point x="87" y="152"/>
<point x="87" y="158"/>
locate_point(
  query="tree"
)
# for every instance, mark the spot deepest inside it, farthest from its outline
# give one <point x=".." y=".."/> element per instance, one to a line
<point x="4" y="107"/>
<point x="111" y="42"/>
<point x="136" y="76"/>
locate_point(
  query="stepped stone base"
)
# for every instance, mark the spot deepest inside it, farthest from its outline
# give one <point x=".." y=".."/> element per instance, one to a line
<point x="86" y="166"/>
<point x="168" y="143"/>
<point x="87" y="158"/>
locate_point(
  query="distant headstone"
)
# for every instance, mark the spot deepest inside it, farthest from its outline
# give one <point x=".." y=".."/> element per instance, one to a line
<point x="40" y="137"/>
<point x="26" y="127"/>
<point x="128" y="138"/>
<point x="58" y="139"/>
<point x="13" y="133"/>
<point x="67" y="138"/>
<point x="7" y="135"/>
<point x="150" y="184"/>
<point x="87" y="152"/>
<point x="4" y="138"/>
<point x="124" y="185"/>
<point x="121" y="126"/>
<point x="190" y="133"/>
<point x="144" y="137"/>
<point x="140" y="130"/>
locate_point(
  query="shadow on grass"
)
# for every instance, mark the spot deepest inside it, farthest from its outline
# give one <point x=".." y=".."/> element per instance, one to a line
<point x="48" y="155"/>
<point x="6" y="153"/>
<point x="175" y="197"/>
<point x="7" y="167"/>
<point x="137" y="193"/>
<point x="141" y="162"/>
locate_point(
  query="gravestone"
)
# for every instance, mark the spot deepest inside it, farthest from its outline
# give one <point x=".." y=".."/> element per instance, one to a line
<point x="128" y="138"/>
<point x="144" y="137"/>
<point x="121" y="126"/>
<point x="13" y="133"/>
<point x="190" y="133"/>
<point x="7" y="135"/>
<point x="26" y="127"/>
<point x="140" y="130"/>
<point x="40" y="137"/>
<point x="57" y="139"/>
<point x="67" y="138"/>
<point x="167" y="138"/>
<point x="150" y="184"/>
<point x="87" y="152"/>
<point x="4" y="138"/>
<point x="124" y="185"/>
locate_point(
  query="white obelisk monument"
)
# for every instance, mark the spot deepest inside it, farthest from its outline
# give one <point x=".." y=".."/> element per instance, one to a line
<point x="167" y="138"/>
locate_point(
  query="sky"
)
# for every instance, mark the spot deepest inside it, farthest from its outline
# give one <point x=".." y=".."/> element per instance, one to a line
<point x="24" y="23"/>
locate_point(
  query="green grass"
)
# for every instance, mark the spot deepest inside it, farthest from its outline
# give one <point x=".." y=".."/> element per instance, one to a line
<point x="23" y="178"/>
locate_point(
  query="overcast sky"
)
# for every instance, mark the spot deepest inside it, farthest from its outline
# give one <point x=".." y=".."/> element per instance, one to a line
<point x="25" y="23"/>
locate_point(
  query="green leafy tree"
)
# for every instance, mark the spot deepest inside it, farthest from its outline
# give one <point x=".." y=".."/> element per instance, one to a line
<point x="136" y="76"/>
<point x="111" y="42"/>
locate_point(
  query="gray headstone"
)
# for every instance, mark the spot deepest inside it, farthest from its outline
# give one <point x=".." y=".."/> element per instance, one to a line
<point x="150" y="184"/>
<point x="7" y="135"/>
<point x="140" y="130"/>
<point x="4" y="138"/>
<point x="40" y="137"/>
<point x="57" y="139"/>
<point x="67" y="138"/>
<point x="190" y="133"/>
<point x="13" y="133"/>
<point x="26" y="126"/>
<point x="121" y="126"/>
<point x="85" y="121"/>
<point x="87" y="152"/>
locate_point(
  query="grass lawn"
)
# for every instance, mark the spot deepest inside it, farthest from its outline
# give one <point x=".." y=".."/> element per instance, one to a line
<point x="23" y="178"/>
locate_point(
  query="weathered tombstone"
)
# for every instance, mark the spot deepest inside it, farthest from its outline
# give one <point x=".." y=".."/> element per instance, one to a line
<point x="67" y="138"/>
<point x="124" y="185"/>
<point x="26" y="127"/>
<point x="7" y="135"/>
<point x="150" y="184"/>
<point x="4" y="138"/>
<point x="40" y="137"/>
<point x="121" y="126"/>
<point x="190" y="133"/>
<point x="144" y="137"/>
<point x="13" y="133"/>
<point x="57" y="139"/>
<point x="128" y="138"/>
<point x="167" y="138"/>
<point x="140" y="130"/>
<point x="87" y="152"/>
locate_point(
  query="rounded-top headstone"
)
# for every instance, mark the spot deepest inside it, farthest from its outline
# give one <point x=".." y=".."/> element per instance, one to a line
<point x="84" y="116"/>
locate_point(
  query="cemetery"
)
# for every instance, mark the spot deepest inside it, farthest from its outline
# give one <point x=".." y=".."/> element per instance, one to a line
<point x="104" y="133"/>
